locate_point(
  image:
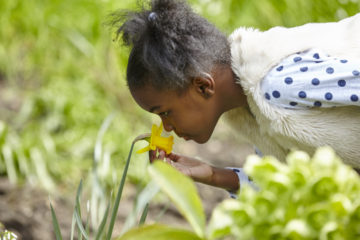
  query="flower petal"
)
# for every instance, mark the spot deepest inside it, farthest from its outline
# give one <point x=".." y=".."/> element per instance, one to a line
<point x="159" y="129"/>
<point x="145" y="149"/>
<point x="154" y="130"/>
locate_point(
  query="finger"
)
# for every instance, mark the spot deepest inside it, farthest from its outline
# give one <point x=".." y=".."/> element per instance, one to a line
<point x="168" y="160"/>
<point x="161" y="154"/>
<point x="184" y="170"/>
<point x="174" y="157"/>
<point x="152" y="155"/>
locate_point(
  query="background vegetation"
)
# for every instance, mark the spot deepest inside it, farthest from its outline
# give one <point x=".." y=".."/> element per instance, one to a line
<point x="61" y="76"/>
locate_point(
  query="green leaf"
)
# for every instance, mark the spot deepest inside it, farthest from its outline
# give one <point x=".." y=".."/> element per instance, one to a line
<point x="77" y="213"/>
<point x="99" y="140"/>
<point x="7" y="153"/>
<point x="55" y="224"/>
<point x="158" y="232"/>
<point x="182" y="192"/>
<point x="119" y="193"/>
<point x="221" y="221"/>
<point x="144" y="215"/>
<point x="72" y="226"/>
<point x="79" y="223"/>
<point x="87" y="224"/>
<point x="103" y="222"/>
<point x="141" y="205"/>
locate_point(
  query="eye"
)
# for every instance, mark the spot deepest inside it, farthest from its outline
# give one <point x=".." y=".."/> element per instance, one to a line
<point x="164" y="114"/>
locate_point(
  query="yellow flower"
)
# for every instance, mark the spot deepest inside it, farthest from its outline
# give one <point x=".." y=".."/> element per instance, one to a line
<point x="157" y="141"/>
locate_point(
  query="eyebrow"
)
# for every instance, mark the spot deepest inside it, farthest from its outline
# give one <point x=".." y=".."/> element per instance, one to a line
<point x="154" y="108"/>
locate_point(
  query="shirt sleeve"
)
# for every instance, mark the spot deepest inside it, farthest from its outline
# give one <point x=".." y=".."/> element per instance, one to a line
<point x="243" y="180"/>
<point x="243" y="177"/>
<point x="313" y="79"/>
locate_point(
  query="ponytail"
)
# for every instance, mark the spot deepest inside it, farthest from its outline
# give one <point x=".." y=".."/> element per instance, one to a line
<point x="170" y="44"/>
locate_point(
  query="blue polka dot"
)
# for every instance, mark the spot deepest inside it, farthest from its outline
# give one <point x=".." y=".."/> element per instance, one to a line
<point x="267" y="96"/>
<point x="343" y="61"/>
<point x="318" y="61"/>
<point x="342" y="83"/>
<point x="356" y="73"/>
<point x="315" y="81"/>
<point x="354" y="98"/>
<point x="330" y="70"/>
<point x="302" y="94"/>
<point x="293" y="104"/>
<point x="304" y="69"/>
<point x="316" y="56"/>
<point x="276" y="94"/>
<point x="236" y="170"/>
<point x="317" y="104"/>
<point x="280" y="68"/>
<point x="297" y="59"/>
<point x="328" y="96"/>
<point x="288" y="80"/>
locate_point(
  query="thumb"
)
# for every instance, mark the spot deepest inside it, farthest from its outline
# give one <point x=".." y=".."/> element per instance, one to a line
<point x="173" y="157"/>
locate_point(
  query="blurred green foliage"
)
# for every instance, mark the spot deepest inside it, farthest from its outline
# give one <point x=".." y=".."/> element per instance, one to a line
<point x="61" y="76"/>
<point x="264" y="14"/>
<point x="307" y="198"/>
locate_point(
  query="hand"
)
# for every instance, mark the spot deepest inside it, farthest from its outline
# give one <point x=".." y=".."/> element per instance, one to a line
<point x="199" y="171"/>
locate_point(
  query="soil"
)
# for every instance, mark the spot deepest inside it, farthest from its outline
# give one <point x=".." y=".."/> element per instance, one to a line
<point x="25" y="209"/>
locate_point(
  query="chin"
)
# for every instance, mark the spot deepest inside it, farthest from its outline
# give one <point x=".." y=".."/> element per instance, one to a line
<point x="201" y="140"/>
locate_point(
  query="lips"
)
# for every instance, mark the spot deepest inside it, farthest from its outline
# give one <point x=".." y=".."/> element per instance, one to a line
<point x="184" y="136"/>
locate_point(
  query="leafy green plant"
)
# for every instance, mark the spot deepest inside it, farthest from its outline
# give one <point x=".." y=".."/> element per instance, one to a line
<point x="182" y="192"/>
<point x="315" y="198"/>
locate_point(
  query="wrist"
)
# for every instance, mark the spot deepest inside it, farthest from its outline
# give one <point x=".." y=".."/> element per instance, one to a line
<point x="207" y="178"/>
<point x="225" y="178"/>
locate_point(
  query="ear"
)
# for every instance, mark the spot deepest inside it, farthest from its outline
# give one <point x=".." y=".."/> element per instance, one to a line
<point x="204" y="85"/>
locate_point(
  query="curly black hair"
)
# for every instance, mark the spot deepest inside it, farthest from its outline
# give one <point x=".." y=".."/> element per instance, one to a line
<point x="170" y="43"/>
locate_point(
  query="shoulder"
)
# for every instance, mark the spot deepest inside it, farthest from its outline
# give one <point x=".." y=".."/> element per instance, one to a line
<point x="312" y="79"/>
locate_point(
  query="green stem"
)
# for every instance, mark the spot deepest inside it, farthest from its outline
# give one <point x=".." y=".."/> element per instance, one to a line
<point x="121" y="186"/>
<point x="144" y="214"/>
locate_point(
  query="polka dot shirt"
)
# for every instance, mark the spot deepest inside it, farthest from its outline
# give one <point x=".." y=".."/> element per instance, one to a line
<point x="313" y="79"/>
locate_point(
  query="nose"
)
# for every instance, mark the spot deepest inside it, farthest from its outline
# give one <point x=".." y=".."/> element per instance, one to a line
<point x="167" y="126"/>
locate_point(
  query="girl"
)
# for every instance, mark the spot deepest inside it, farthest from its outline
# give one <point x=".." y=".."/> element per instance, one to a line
<point x="282" y="89"/>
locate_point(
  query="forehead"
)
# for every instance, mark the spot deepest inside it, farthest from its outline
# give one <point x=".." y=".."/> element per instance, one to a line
<point x="149" y="97"/>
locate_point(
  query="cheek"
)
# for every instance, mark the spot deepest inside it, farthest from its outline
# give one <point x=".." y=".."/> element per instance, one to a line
<point x="206" y="122"/>
<point x="195" y="122"/>
<point x="196" y="118"/>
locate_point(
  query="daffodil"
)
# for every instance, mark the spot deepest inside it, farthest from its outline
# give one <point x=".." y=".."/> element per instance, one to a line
<point x="157" y="141"/>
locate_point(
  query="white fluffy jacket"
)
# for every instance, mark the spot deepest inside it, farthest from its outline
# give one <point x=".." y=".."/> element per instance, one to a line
<point x="276" y="130"/>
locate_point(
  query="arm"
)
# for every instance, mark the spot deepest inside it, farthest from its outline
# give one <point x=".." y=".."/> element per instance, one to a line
<point x="225" y="178"/>
<point x="200" y="171"/>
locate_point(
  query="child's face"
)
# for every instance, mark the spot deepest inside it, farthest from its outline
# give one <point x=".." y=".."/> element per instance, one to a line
<point x="190" y="115"/>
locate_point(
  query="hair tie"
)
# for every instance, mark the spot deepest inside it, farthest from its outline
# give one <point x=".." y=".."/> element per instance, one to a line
<point x="152" y="17"/>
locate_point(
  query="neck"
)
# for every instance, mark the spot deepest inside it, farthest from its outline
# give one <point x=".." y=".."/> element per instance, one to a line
<point x="229" y="93"/>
